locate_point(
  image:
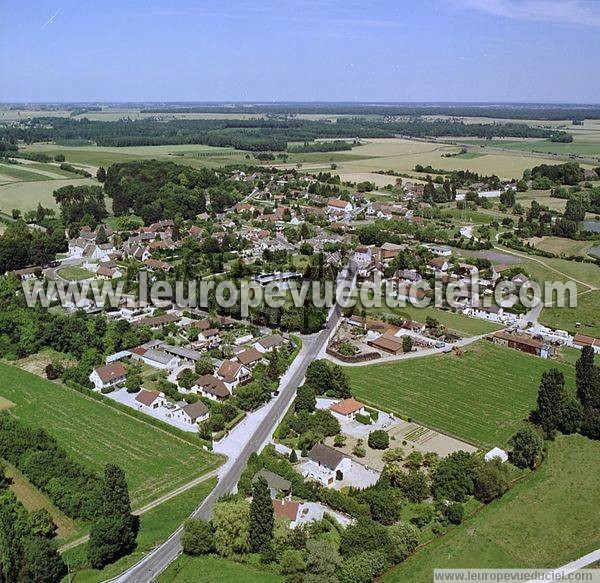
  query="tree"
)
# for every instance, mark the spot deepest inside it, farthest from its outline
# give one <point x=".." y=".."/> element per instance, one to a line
<point x="570" y="415"/>
<point x="292" y="562"/>
<point x="41" y="561"/>
<point x="274" y="366"/>
<point x="453" y="477"/>
<point x="204" y="366"/>
<point x="306" y="400"/>
<point x="101" y="236"/>
<point x="339" y="440"/>
<point x="403" y="540"/>
<point x="293" y="456"/>
<point x="197" y="538"/>
<point x="133" y="381"/>
<point x="527" y="448"/>
<point x="101" y="174"/>
<point x="491" y="480"/>
<point x="231" y="521"/>
<point x="454" y="512"/>
<point x="590" y="424"/>
<point x="378" y="439"/>
<point x="41" y="523"/>
<point x="407" y="343"/>
<point x="587" y="377"/>
<point x="364" y="567"/>
<point x="550" y="399"/>
<point x="322" y="562"/>
<point x="385" y="504"/>
<point x="114" y="534"/>
<point x="261" y="517"/>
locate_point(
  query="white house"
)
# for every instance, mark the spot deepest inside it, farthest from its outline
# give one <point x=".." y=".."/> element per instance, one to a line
<point x="108" y="375"/>
<point x="268" y="343"/>
<point x="150" y="399"/>
<point x="233" y="373"/>
<point x="496" y="453"/>
<point x="155" y="358"/>
<point x="191" y="414"/>
<point x="337" y="205"/>
<point x="326" y="465"/>
<point x="348" y="408"/>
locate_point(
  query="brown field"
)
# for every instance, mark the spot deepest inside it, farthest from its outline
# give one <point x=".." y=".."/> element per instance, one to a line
<point x="33" y="499"/>
<point x="560" y="246"/>
<point x="5" y="404"/>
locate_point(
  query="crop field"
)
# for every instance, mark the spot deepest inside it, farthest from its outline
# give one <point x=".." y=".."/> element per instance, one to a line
<point x="548" y="519"/>
<point x="481" y="397"/>
<point x="26" y="195"/>
<point x="214" y="569"/>
<point x="154" y="461"/>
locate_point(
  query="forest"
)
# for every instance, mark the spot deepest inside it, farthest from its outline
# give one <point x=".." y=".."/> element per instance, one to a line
<point x="253" y="135"/>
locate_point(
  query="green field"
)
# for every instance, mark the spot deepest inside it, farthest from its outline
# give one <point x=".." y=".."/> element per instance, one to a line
<point x="18" y="173"/>
<point x="480" y="397"/>
<point x="459" y="323"/>
<point x="587" y="313"/>
<point x="26" y="195"/>
<point x="154" y="461"/>
<point x="156" y="526"/>
<point x="74" y="273"/>
<point x="212" y="569"/>
<point x="547" y="520"/>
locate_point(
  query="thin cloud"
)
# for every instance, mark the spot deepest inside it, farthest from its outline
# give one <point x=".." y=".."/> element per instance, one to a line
<point x="49" y="21"/>
<point x="581" y="12"/>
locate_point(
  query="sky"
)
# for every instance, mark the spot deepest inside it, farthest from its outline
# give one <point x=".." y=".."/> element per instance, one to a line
<point x="300" y="50"/>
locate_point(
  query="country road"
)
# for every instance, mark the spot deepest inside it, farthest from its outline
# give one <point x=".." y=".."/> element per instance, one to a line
<point x="158" y="560"/>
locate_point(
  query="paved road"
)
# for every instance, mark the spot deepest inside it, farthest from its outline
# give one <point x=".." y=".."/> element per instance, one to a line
<point x="158" y="560"/>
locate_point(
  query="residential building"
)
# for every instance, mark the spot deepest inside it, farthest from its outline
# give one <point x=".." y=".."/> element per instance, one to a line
<point x="348" y="408"/>
<point x="326" y="465"/>
<point x="108" y="375"/>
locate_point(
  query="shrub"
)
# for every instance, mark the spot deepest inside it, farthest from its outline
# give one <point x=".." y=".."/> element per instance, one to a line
<point x="378" y="439"/>
<point x="197" y="538"/>
<point x="454" y="512"/>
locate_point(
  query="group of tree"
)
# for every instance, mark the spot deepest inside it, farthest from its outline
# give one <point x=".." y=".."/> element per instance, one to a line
<point x="27" y="551"/>
<point x="559" y="410"/>
<point x="22" y="247"/>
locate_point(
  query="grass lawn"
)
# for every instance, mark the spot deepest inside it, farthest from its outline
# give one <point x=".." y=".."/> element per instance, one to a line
<point x="546" y="520"/>
<point x="74" y="273"/>
<point x="480" y="397"/>
<point x="586" y="313"/>
<point x="212" y="569"/>
<point x="156" y="526"/>
<point x="154" y="461"/>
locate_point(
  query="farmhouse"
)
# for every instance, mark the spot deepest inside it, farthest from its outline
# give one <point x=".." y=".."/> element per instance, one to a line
<point x="156" y="322"/>
<point x="523" y="342"/>
<point x="580" y="340"/>
<point x="438" y="265"/>
<point x="108" y="375"/>
<point x="27" y="273"/>
<point x="386" y="344"/>
<point x="348" y="408"/>
<point x="326" y="465"/>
